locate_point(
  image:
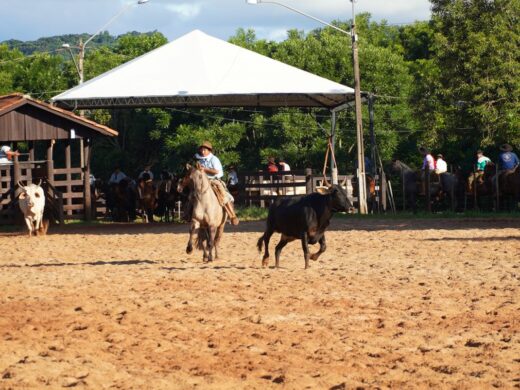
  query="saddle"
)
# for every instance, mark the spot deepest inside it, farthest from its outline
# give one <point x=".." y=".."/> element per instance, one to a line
<point x="218" y="190"/>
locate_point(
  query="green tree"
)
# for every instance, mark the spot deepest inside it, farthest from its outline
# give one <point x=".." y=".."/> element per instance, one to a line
<point x="477" y="46"/>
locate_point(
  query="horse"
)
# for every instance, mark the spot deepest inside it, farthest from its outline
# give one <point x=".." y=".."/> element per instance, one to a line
<point x="447" y="185"/>
<point x="208" y="217"/>
<point x="509" y="184"/>
<point x="147" y="197"/>
<point x="122" y="202"/>
<point x="481" y="184"/>
<point x="167" y="196"/>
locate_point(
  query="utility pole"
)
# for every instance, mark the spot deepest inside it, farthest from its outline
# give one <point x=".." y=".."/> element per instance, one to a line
<point x="359" y="120"/>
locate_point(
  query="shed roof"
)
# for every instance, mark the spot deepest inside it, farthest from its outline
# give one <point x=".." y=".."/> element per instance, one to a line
<point x="24" y="118"/>
<point x="198" y="70"/>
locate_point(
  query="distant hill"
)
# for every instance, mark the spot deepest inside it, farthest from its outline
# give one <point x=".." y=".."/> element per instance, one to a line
<point x="47" y="44"/>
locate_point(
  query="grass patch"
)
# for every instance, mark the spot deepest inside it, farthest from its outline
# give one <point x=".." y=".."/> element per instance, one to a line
<point x="252" y="213"/>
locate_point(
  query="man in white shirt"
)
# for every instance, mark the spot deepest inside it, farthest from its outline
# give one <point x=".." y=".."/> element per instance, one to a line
<point x="6" y="154"/>
<point x="441" y="166"/>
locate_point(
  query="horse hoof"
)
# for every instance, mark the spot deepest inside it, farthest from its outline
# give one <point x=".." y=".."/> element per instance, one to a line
<point x="314" y="257"/>
<point x="189" y="250"/>
<point x="265" y="263"/>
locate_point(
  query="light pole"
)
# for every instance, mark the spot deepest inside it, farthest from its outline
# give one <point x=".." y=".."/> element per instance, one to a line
<point x="81" y="46"/>
<point x="357" y="95"/>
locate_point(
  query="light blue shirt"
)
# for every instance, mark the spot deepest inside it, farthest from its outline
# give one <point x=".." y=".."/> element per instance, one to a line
<point x="212" y="162"/>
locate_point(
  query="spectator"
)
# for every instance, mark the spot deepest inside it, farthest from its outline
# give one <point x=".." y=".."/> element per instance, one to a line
<point x="507" y="159"/>
<point x="147" y="170"/>
<point x="283" y="166"/>
<point x="428" y="162"/>
<point x="6" y="154"/>
<point x="117" y="176"/>
<point x="271" y="165"/>
<point x="441" y="166"/>
<point x="482" y="161"/>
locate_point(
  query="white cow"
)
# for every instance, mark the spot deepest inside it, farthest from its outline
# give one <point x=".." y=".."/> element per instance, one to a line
<point x="32" y="202"/>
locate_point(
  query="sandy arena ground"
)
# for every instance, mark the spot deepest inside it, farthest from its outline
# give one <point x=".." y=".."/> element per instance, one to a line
<point x="402" y="304"/>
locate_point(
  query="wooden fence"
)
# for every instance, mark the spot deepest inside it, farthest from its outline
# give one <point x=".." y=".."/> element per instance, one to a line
<point x="260" y="188"/>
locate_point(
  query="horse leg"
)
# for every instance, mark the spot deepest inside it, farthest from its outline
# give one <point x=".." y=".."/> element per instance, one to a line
<point x="211" y="232"/>
<point x="218" y="236"/>
<point x="194" y="230"/>
<point x="323" y="247"/>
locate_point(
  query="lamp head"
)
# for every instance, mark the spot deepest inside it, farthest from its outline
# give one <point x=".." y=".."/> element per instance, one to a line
<point x="143" y="1"/>
<point x="254" y="2"/>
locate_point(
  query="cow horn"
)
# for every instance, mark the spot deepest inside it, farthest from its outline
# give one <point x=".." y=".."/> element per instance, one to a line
<point x="188" y="167"/>
<point x="20" y="184"/>
<point x="325" y="181"/>
<point x="344" y="182"/>
<point x="39" y="182"/>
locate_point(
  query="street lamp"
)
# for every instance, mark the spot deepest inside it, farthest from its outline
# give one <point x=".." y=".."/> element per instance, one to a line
<point x="357" y="94"/>
<point x="81" y="46"/>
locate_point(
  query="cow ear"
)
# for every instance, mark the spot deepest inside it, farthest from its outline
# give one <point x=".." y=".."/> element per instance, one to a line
<point x="188" y="167"/>
<point x="22" y="195"/>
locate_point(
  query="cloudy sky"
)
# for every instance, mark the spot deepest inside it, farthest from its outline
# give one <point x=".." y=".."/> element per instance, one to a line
<point x="32" y="19"/>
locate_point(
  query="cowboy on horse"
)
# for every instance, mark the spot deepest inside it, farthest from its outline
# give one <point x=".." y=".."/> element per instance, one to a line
<point x="212" y="167"/>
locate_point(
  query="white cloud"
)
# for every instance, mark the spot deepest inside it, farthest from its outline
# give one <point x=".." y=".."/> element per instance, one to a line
<point x="185" y="10"/>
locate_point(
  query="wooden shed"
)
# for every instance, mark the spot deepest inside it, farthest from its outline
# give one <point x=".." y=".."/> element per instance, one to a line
<point x="59" y="144"/>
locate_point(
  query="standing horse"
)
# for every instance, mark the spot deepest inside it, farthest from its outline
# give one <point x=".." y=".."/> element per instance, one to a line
<point x="167" y="197"/>
<point x="147" y="198"/>
<point x="208" y="217"/>
<point x="446" y="186"/>
<point x="509" y="185"/>
<point x="481" y="184"/>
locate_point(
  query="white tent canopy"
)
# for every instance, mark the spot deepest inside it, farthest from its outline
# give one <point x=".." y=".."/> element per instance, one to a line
<point x="197" y="70"/>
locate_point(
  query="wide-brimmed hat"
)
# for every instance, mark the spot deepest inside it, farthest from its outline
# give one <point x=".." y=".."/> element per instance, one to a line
<point x="506" y="148"/>
<point x="207" y="145"/>
<point x="440" y="156"/>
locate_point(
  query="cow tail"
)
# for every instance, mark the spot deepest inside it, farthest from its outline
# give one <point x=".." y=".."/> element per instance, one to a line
<point x="260" y="243"/>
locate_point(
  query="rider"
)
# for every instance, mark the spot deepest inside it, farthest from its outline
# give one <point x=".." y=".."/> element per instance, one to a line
<point x="507" y="159"/>
<point x="482" y="161"/>
<point x="441" y="166"/>
<point x="213" y="169"/>
<point x="429" y="162"/>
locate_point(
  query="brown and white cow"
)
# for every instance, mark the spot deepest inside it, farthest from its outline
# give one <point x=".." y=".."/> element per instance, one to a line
<point x="32" y="203"/>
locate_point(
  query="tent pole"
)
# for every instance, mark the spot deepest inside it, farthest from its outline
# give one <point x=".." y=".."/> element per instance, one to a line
<point x="333" y="167"/>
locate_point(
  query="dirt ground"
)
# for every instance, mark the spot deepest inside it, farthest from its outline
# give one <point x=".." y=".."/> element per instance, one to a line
<point x="392" y="303"/>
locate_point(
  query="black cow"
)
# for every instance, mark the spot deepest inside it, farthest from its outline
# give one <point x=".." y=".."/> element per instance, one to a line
<point x="303" y="218"/>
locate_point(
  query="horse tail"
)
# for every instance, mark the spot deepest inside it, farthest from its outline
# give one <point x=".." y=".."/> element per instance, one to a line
<point x="260" y="243"/>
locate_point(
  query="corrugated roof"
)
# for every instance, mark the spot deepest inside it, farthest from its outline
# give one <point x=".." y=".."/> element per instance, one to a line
<point x="12" y="101"/>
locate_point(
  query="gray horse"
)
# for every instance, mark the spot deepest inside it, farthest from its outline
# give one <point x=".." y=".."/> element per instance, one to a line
<point x="208" y="217"/>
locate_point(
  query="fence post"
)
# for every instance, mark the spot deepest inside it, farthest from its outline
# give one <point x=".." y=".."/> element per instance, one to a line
<point x="427" y="180"/>
<point x="475" y="199"/>
<point x="308" y="181"/>
<point x="497" y="188"/>
<point x="404" y="189"/>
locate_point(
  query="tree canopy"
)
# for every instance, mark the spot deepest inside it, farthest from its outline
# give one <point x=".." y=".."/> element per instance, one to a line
<point x="451" y="83"/>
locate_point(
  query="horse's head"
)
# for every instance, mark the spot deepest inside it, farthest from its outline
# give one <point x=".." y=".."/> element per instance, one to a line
<point x="185" y="181"/>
